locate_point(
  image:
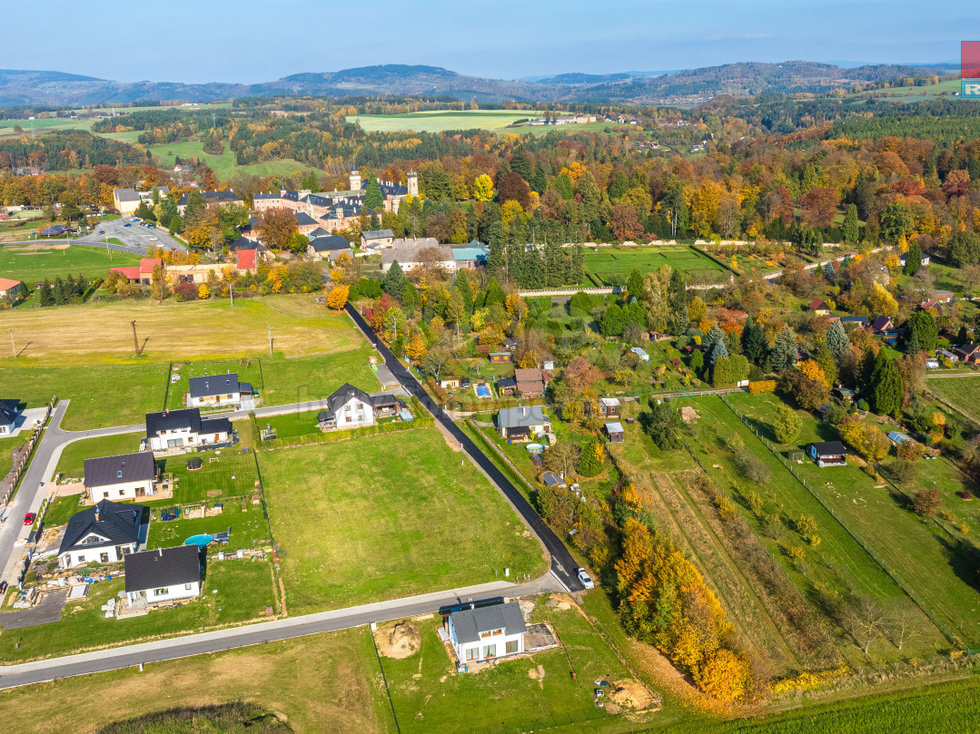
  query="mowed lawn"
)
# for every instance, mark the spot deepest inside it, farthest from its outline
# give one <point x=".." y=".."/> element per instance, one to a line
<point x="73" y="456"/>
<point x="387" y="516"/>
<point x="938" y="568"/>
<point x="616" y="263"/>
<point x="34" y="263"/>
<point x="436" y="121"/>
<point x="963" y="392"/>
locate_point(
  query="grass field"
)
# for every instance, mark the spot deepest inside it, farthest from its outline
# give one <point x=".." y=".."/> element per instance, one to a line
<point x="963" y="392"/>
<point x="244" y="589"/>
<point x="224" y="165"/>
<point x="387" y="516"/>
<point x="6" y="446"/>
<point x="72" y="461"/>
<point x="613" y="264"/>
<point x="32" y="263"/>
<point x="584" y="127"/>
<point x="930" y="563"/>
<point x="434" y="121"/>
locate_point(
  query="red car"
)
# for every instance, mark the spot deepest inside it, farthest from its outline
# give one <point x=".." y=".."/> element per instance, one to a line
<point x="29" y="518"/>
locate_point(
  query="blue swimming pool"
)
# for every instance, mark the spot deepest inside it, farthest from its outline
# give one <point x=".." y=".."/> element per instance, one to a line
<point x="202" y="540"/>
<point x="483" y="391"/>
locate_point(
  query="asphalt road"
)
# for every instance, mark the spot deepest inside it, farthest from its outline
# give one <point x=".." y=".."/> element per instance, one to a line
<point x="562" y="563"/>
<point x="136" y="238"/>
<point x="261" y="632"/>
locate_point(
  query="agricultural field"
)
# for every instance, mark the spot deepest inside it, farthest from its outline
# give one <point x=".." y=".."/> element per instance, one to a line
<point x="963" y="392"/>
<point x="233" y="592"/>
<point x="436" y="121"/>
<point x="34" y="263"/>
<point x="930" y="560"/>
<point x="612" y="265"/>
<point x="570" y="129"/>
<point x="381" y="517"/>
<point x="224" y="165"/>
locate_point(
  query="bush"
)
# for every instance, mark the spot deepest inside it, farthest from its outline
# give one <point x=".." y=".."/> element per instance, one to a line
<point x="927" y="502"/>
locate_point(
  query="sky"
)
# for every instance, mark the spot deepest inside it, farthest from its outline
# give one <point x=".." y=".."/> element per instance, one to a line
<point x="249" y="41"/>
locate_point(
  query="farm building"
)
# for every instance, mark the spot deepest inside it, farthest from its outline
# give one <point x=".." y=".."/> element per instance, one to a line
<point x="827" y="453"/>
<point x="614" y="429"/>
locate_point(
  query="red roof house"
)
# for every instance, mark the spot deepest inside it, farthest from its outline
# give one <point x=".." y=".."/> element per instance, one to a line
<point x="246" y="261"/>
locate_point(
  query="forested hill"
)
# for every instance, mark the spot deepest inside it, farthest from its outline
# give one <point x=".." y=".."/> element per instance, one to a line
<point x="680" y="88"/>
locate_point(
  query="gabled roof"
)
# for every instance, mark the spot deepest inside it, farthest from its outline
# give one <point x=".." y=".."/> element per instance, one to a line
<point x="330" y="243"/>
<point x="107" y="470"/>
<point x="162" y="567"/>
<point x="344" y="394"/>
<point x="469" y="623"/>
<point x="125" y="195"/>
<point x="117" y="523"/>
<point x="55" y="229"/>
<point x="147" y="264"/>
<point x="319" y="232"/>
<point x="880" y="323"/>
<point x="521" y="417"/>
<point x="213" y="197"/>
<point x="303" y="219"/>
<point x="169" y="420"/>
<point x="6" y="284"/>
<point x="216" y="425"/>
<point x="614" y="427"/>
<point x="829" y="448"/>
<point x="131" y="272"/>
<point x="817" y="304"/>
<point x="245" y="259"/>
<point x="8" y="412"/>
<point x="377" y="234"/>
<point x="202" y="387"/>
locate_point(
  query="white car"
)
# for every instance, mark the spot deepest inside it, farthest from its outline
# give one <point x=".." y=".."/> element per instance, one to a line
<point x="586" y="580"/>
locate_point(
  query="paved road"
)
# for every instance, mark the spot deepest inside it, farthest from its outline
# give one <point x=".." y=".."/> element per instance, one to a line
<point x="136" y="238"/>
<point x="254" y="634"/>
<point x="562" y="562"/>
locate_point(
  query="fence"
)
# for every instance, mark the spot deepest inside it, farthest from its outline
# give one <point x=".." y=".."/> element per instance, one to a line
<point x="8" y="484"/>
<point x="890" y="572"/>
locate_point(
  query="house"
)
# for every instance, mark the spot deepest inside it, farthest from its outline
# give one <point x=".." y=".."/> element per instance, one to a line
<point x="9" y="412"/>
<point x="246" y="261"/>
<point x="103" y="533"/>
<point x="941" y="296"/>
<point x="163" y="574"/>
<point x="125" y="201"/>
<point x="845" y="395"/>
<point x="507" y="386"/>
<point x="215" y="390"/>
<point x="418" y="253"/>
<point x="471" y="256"/>
<point x="641" y="353"/>
<point x="550" y="479"/>
<point x="882" y="324"/>
<point x="854" y="320"/>
<point x="531" y="382"/>
<point x="305" y="224"/>
<point x="123" y="477"/>
<point x="609" y="407"/>
<point x="351" y="407"/>
<point x="142" y="273"/>
<point x="968" y="353"/>
<point x="614" y="430"/>
<point x="819" y="307"/>
<point x="9" y="288"/>
<point x="330" y="247"/>
<point x="449" y="383"/>
<point x="903" y="259"/>
<point x="499" y="357"/>
<point x="55" y="230"/>
<point x="375" y="239"/>
<point x="180" y="429"/>
<point x="827" y="453"/>
<point x="487" y="633"/>
<point x="522" y="422"/>
<point x="951" y="355"/>
<point x="217" y="198"/>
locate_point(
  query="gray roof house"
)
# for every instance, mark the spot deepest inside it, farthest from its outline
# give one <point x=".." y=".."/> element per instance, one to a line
<point x="121" y="469"/>
<point x="522" y="422"/>
<point x="408" y="254"/>
<point x="216" y="390"/>
<point x="486" y="633"/>
<point x="103" y="533"/>
<point x="351" y="406"/>
<point x="9" y="410"/>
<point x="164" y="574"/>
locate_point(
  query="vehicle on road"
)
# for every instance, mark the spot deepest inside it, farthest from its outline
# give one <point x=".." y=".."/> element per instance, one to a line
<point x="586" y="580"/>
<point x="127" y="224"/>
<point x="29" y="518"/>
<point x="101" y="231"/>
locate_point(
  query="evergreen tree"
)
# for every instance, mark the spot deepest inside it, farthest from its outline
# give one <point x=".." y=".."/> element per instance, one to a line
<point x="962" y="336"/>
<point x="923" y="333"/>
<point x="634" y="285"/>
<point x="409" y="298"/>
<point x="913" y="259"/>
<point x="591" y="197"/>
<point x="493" y="294"/>
<point x="837" y="339"/>
<point x="462" y="282"/>
<point x="715" y="334"/>
<point x="886" y="387"/>
<point x="47" y="299"/>
<point x="851" y="229"/>
<point x="495" y="260"/>
<point x="784" y="351"/>
<point x="58" y="292"/>
<point x="718" y="349"/>
<point x="373" y="198"/>
<point x="392" y="283"/>
<point x="753" y="341"/>
<point x="697" y="361"/>
<point x="310" y="182"/>
<point x="613" y="321"/>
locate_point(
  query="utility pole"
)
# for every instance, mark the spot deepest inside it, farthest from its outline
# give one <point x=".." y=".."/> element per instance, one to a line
<point x="136" y="342"/>
<point x="12" y="347"/>
<point x="270" y="339"/>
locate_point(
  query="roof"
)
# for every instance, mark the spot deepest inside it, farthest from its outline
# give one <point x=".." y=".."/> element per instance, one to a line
<point x="319" y="232"/>
<point x="377" y="234"/>
<point x="552" y="480"/>
<point x="8" y="411"/>
<point x="201" y="387"/>
<point x="467" y="252"/>
<point x="854" y="319"/>
<point x="507" y="382"/>
<point x="817" y="304"/>
<point x="6" y="284"/>
<point x="55" y="229"/>
<point x="614" y="427"/>
<point x="469" y="623"/>
<point x="344" y="394"/>
<point x="246" y="259"/>
<point x="609" y="402"/>
<point x="162" y="567"/>
<point x="331" y="242"/>
<point x="303" y="219"/>
<point x="521" y="417"/>
<point x="148" y="264"/>
<point x="118" y="469"/>
<point x="406" y="251"/>
<point x="125" y="195"/>
<point x="968" y="348"/>
<point x="215" y="425"/>
<point x="829" y="448"/>
<point x="116" y="522"/>
<point x="899" y="437"/>
<point x="131" y="272"/>
<point x="169" y="420"/>
<point x="880" y="323"/>
<point x="212" y="197"/>
<point x="639" y="352"/>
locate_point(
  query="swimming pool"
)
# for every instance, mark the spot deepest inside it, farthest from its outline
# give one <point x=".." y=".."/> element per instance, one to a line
<point x="482" y="391"/>
<point x="202" y="540"/>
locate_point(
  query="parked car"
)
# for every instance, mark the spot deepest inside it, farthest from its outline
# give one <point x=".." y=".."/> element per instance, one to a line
<point x="127" y="224"/>
<point x="586" y="580"/>
<point x="29" y="518"/>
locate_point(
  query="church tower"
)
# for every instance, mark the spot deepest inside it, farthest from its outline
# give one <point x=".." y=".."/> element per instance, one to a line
<point x="413" y="184"/>
<point x="355" y="180"/>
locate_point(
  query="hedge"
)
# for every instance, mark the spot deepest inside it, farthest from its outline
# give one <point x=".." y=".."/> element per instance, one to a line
<point x="760" y="386"/>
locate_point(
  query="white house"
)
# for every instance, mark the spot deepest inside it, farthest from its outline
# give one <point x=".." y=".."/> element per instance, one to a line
<point x="177" y="429"/>
<point x="104" y="533"/>
<point x="164" y="574"/>
<point x="125" y="201"/>
<point x="351" y="407"/>
<point x="8" y="416"/>
<point x="216" y="390"/>
<point x="120" y="477"/>
<point x="487" y="633"/>
<point x="416" y="253"/>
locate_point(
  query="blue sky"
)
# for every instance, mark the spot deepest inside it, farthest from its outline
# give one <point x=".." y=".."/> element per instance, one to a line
<point x="249" y="41"/>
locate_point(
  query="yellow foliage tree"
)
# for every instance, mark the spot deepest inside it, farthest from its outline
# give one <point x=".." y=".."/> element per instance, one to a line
<point x="725" y="676"/>
<point x="203" y="292"/>
<point x="483" y="188"/>
<point x="881" y="302"/>
<point x="337" y="298"/>
<point x="416" y="349"/>
<point x="810" y="369"/>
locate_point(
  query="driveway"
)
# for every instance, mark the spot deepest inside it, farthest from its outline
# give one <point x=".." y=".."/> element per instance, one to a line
<point x="48" y="610"/>
<point x="137" y="239"/>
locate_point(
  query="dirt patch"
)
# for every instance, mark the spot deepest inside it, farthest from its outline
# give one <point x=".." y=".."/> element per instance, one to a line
<point x="631" y="695"/>
<point x="562" y="606"/>
<point x="400" y="641"/>
<point x="214" y="493"/>
<point x="572" y="604"/>
<point x="538" y="675"/>
<point x="689" y="415"/>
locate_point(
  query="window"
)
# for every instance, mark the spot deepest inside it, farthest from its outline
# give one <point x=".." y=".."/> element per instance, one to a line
<point x="490" y="651"/>
<point x="473" y="653"/>
<point x="122" y="492"/>
<point x="512" y="646"/>
<point x="81" y="558"/>
<point x="159" y="592"/>
<point x="119" y="474"/>
<point x="187" y="587"/>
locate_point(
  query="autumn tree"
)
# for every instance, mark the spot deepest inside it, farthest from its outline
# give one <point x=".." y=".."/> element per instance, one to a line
<point x="483" y="188"/>
<point x="927" y="502"/>
<point x="663" y="423"/>
<point x="277" y="227"/>
<point x="787" y="424"/>
<point x="337" y="298"/>
<point x="563" y="458"/>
